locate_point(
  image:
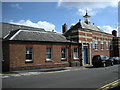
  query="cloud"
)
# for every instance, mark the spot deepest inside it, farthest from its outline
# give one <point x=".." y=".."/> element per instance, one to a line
<point x="119" y="29"/>
<point x="92" y="6"/>
<point x="17" y="6"/>
<point x="88" y="4"/>
<point x="40" y="24"/>
<point x="59" y="3"/>
<point x="107" y="28"/>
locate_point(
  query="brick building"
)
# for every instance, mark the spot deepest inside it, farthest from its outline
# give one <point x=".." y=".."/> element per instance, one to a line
<point x="115" y="45"/>
<point x="94" y="41"/>
<point x="30" y="49"/>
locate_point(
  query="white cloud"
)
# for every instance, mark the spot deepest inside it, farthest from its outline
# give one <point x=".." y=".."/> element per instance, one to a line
<point x="88" y="3"/>
<point x="16" y="6"/>
<point x="91" y="6"/>
<point x="118" y="30"/>
<point x="107" y="28"/>
<point x="40" y="24"/>
<point x="59" y="3"/>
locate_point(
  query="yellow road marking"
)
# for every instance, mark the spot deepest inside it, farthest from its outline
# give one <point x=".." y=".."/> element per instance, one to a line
<point x="113" y="84"/>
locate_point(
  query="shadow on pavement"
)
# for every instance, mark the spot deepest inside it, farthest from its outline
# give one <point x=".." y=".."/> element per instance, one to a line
<point x="9" y="72"/>
<point x="51" y="70"/>
<point x="35" y="70"/>
<point x="91" y="67"/>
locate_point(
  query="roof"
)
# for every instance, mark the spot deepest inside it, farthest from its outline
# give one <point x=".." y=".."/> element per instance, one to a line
<point x="89" y="26"/>
<point x="7" y="27"/>
<point x="84" y="27"/>
<point x="31" y="35"/>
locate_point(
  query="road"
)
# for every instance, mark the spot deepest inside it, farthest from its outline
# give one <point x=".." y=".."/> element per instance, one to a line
<point x="87" y="78"/>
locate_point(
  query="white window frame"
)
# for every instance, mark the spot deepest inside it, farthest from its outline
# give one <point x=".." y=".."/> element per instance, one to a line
<point x="75" y="53"/>
<point x="93" y="44"/>
<point x="102" y="44"/>
<point x="107" y="45"/>
<point x="63" y="53"/>
<point x="29" y="51"/>
<point x="48" y="52"/>
<point x="96" y="44"/>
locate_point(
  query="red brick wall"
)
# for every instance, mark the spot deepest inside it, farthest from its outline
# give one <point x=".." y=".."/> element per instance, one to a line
<point x="104" y="51"/>
<point x="99" y="51"/>
<point x="115" y="52"/>
<point x="76" y="62"/>
<point x="6" y="57"/>
<point x="94" y="52"/>
<point x="17" y="55"/>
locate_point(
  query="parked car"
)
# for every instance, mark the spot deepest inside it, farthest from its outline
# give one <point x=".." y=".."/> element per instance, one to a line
<point x="116" y="60"/>
<point x="101" y="60"/>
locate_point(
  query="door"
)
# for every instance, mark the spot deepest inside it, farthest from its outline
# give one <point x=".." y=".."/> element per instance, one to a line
<point x="85" y="55"/>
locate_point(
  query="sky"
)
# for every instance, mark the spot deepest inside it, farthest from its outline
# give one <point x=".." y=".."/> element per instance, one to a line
<point x="119" y="19"/>
<point x="52" y="15"/>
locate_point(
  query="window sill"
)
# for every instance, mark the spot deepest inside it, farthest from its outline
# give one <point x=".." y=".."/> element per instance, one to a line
<point x="76" y="58"/>
<point x="49" y="60"/>
<point x="29" y="61"/>
<point x="96" y="49"/>
<point x="63" y="59"/>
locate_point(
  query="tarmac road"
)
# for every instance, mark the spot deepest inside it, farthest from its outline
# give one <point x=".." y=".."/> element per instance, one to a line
<point x="87" y="78"/>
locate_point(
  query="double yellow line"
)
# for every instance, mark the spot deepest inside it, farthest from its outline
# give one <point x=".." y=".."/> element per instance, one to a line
<point x="110" y="85"/>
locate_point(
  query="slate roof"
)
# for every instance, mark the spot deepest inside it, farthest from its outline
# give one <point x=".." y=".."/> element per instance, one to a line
<point x="7" y="28"/>
<point x="89" y="26"/>
<point x="84" y="27"/>
<point x="31" y="35"/>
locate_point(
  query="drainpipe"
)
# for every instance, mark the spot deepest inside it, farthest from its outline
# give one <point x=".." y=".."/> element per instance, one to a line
<point x="69" y="55"/>
<point x="80" y="54"/>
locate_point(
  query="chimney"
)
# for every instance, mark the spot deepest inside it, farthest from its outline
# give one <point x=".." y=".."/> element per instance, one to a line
<point x="64" y="28"/>
<point x="52" y="30"/>
<point x="114" y="33"/>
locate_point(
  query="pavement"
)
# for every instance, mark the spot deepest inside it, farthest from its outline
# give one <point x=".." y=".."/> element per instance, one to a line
<point x="41" y="71"/>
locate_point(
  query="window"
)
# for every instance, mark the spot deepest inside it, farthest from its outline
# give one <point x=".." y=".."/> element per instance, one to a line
<point x="3" y="56"/>
<point x="93" y="44"/>
<point x="63" y="53"/>
<point x="75" y="53"/>
<point x="102" y="44"/>
<point x="107" y="46"/>
<point x="48" y="54"/>
<point x="111" y="45"/>
<point x="96" y="45"/>
<point x="29" y="55"/>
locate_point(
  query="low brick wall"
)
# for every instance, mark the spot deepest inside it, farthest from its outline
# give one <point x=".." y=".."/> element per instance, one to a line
<point x="30" y="67"/>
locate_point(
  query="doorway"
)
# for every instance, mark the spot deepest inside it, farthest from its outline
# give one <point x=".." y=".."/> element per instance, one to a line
<point x="85" y="54"/>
